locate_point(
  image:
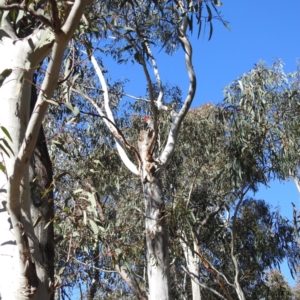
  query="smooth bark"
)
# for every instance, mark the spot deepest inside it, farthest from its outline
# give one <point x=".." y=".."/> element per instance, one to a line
<point x="158" y="266"/>
<point x="193" y="267"/>
<point x="23" y="274"/>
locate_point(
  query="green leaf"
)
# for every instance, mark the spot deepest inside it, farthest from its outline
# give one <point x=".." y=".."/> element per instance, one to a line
<point x="76" y="111"/>
<point x="209" y="13"/>
<point x="61" y="270"/>
<point x="86" y="249"/>
<point x="69" y="106"/>
<point x="37" y="221"/>
<point x="226" y="25"/>
<point x="60" y="146"/>
<point x="52" y="102"/>
<point x="7" y="146"/>
<point x="199" y="28"/>
<point x="6" y="132"/>
<point x="2" y="168"/>
<point x="241" y="85"/>
<point x="99" y="162"/>
<point x="4" y="150"/>
<point x="4" y="74"/>
<point x="94" y="227"/>
<point x="78" y="191"/>
<point x="46" y="226"/>
<point x="4" y="15"/>
<point x="92" y="199"/>
<point x="210" y="30"/>
<point x="46" y="38"/>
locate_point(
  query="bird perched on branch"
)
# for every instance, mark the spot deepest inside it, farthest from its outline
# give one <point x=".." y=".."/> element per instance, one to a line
<point x="149" y="122"/>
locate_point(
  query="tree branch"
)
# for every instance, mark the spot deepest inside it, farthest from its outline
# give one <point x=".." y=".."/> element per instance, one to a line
<point x="55" y="16"/>
<point x="232" y="245"/>
<point x="296" y="225"/>
<point x="43" y="19"/>
<point x="208" y="265"/>
<point x="177" y="119"/>
<point x="212" y="214"/>
<point x="47" y="89"/>
<point x="110" y="122"/>
<point x="158" y="102"/>
<point x="202" y="285"/>
<point x="132" y="285"/>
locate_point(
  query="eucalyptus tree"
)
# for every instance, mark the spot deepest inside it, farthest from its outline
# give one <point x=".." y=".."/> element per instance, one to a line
<point x="264" y="101"/>
<point x="134" y="32"/>
<point x="29" y="33"/>
<point x="228" y="239"/>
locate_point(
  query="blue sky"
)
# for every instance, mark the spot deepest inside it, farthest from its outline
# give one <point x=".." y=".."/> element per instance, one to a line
<point x="260" y="30"/>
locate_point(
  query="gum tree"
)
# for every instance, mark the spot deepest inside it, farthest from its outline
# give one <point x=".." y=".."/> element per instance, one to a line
<point x="134" y="31"/>
<point x="29" y="33"/>
<point x="33" y="31"/>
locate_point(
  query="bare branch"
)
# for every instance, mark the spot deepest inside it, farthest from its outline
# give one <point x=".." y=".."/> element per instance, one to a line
<point x="296" y="183"/>
<point x="214" y="272"/>
<point x="137" y="98"/>
<point x="296" y="225"/>
<point x="110" y="122"/>
<point x="93" y="267"/>
<point x="190" y="193"/>
<point x="55" y="16"/>
<point x="232" y="246"/>
<point x="47" y="89"/>
<point x="177" y="119"/>
<point x="202" y="285"/>
<point x="158" y="102"/>
<point x="132" y="285"/>
<point x="212" y="214"/>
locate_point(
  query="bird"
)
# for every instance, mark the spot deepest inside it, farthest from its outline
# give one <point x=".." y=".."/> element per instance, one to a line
<point x="149" y="122"/>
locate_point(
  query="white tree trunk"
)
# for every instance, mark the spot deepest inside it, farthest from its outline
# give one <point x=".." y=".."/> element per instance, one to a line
<point x="22" y="273"/>
<point x="193" y="265"/>
<point x="17" y="282"/>
<point x="156" y="229"/>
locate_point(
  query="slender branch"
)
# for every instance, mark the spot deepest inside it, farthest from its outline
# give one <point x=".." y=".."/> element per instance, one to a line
<point x="137" y="98"/>
<point x="158" y="102"/>
<point x="296" y="183"/>
<point x="151" y="94"/>
<point x="13" y="6"/>
<point x="26" y="149"/>
<point x="296" y="225"/>
<point x="177" y="119"/>
<point x="55" y="16"/>
<point x="190" y="193"/>
<point x="212" y="214"/>
<point x="202" y="285"/>
<point x="132" y="285"/>
<point x="207" y="265"/>
<point x="232" y="245"/>
<point x="93" y="267"/>
<point x="118" y="136"/>
<point x="47" y="89"/>
<point x="72" y="67"/>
